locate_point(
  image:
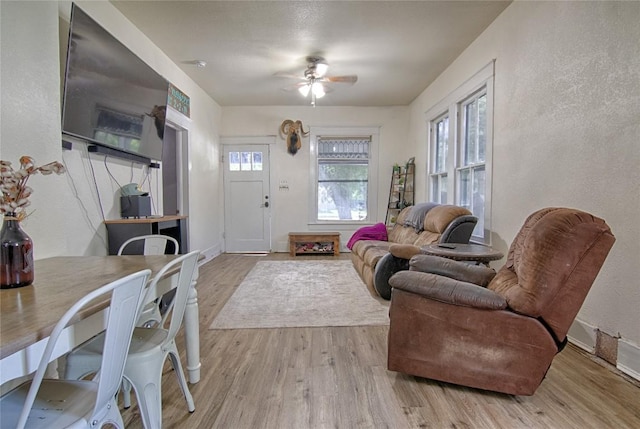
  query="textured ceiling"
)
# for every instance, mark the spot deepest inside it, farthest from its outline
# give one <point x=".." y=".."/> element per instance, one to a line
<point x="397" y="48"/>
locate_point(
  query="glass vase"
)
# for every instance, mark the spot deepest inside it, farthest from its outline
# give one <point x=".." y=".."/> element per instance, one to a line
<point x="16" y="254"/>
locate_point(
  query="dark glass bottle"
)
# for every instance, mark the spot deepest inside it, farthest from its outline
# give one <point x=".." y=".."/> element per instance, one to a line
<point x="16" y="254"/>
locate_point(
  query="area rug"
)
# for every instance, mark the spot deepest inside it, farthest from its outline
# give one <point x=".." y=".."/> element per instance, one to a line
<point x="283" y="294"/>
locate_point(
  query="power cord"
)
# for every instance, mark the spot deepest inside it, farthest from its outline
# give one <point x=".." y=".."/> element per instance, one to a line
<point x="95" y="183"/>
<point x="74" y="191"/>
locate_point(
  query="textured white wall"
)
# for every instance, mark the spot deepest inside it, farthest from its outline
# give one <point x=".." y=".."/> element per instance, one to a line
<point x="204" y="181"/>
<point x="290" y="208"/>
<point x="566" y="127"/>
<point x="68" y="209"/>
<point x="30" y="118"/>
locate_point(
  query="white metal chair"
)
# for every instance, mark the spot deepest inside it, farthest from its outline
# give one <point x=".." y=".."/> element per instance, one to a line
<point x="149" y="350"/>
<point x="153" y="244"/>
<point x="45" y="403"/>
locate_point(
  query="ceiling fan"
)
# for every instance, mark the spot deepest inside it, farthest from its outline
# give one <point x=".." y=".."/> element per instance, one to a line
<point x="315" y="81"/>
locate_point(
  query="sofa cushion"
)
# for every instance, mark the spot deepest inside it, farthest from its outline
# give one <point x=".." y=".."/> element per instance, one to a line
<point x="361" y="247"/>
<point x="404" y="251"/>
<point x="416" y="216"/>
<point x="447" y="290"/>
<point x="398" y="227"/>
<point x="458" y="270"/>
<point x="438" y="219"/>
<point x="373" y="255"/>
<point x="427" y="237"/>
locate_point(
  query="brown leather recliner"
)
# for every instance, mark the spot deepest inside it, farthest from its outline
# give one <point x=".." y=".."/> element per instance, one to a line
<point x="502" y="337"/>
<point x="416" y="226"/>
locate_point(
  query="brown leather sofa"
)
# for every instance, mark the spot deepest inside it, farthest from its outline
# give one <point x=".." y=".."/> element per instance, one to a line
<point x="445" y="325"/>
<point x="418" y="225"/>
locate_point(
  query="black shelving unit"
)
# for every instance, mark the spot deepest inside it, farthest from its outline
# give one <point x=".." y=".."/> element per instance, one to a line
<point x="401" y="190"/>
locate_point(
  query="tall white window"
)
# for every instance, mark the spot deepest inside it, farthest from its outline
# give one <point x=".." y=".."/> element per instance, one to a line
<point x="438" y="177"/>
<point x="460" y="144"/>
<point x="342" y="173"/>
<point x="471" y="165"/>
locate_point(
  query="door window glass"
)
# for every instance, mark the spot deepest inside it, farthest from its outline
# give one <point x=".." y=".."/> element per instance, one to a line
<point x="245" y="161"/>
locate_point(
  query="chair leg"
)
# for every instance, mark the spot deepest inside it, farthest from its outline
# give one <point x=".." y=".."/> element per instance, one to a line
<point x="113" y="417"/>
<point x="177" y="368"/>
<point x="126" y="393"/>
<point x="148" y="387"/>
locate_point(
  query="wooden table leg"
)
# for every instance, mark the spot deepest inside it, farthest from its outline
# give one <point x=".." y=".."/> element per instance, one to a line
<point x="192" y="335"/>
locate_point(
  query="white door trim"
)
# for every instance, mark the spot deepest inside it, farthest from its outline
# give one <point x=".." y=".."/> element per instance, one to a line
<point x="228" y="143"/>
<point x="270" y="139"/>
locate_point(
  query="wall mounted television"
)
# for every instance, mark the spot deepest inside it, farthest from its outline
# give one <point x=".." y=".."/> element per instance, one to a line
<point x="112" y="98"/>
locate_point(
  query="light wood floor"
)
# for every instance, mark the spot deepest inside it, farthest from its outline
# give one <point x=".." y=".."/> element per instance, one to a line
<point x="337" y="378"/>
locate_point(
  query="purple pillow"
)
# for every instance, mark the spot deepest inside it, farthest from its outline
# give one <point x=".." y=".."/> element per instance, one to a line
<point x="373" y="232"/>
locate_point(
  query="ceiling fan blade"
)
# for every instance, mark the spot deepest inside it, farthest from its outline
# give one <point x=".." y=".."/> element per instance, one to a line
<point x="294" y="87"/>
<point x="327" y="88"/>
<point x="340" y="79"/>
<point x="289" y="75"/>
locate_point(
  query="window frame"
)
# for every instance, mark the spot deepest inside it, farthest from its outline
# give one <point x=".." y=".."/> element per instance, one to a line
<point x="453" y="106"/>
<point x="372" y="174"/>
<point x="437" y="176"/>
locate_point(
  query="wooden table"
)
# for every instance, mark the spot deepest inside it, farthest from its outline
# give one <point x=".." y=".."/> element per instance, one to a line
<point x="28" y="314"/>
<point x="314" y="237"/>
<point x="464" y="252"/>
<point x="120" y="230"/>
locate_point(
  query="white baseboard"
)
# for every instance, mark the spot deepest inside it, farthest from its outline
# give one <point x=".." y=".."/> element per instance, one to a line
<point x="584" y="335"/>
<point x="629" y="358"/>
<point x="210" y="253"/>
<point x="281" y="246"/>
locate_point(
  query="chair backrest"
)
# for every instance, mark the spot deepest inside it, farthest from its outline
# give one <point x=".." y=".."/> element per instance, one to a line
<point x="154" y="244"/>
<point x="186" y="274"/>
<point x="126" y="298"/>
<point x="459" y="230"/>
<point x="551" y="265"/>
<point x="447" y="224"/>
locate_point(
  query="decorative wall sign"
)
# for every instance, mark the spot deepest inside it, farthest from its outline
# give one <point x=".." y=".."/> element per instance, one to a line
<point x="179" y="101"/>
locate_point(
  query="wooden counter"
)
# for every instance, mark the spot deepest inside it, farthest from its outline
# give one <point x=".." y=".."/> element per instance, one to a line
<point x="120" y="230"/>
<point x="145" y="219"/>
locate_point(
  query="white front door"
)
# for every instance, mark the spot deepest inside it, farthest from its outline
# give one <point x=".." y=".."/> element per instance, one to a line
<point x="247" y="206"/>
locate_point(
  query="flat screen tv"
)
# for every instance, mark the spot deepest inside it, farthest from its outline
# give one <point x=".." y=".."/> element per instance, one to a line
<point x="111" y="97"/>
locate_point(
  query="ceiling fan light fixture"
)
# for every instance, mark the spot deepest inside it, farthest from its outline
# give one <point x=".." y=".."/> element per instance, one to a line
<point x="304" y="90"/>
<point x="318" y="89"/>
<point x="321" y="69"/>
<point x="314" y="79"/>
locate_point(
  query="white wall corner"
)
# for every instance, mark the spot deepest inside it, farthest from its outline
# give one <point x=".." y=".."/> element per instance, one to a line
<point x="210" y="253"/>
<point x="629" y="358"/>
<point x="583" y="335"/>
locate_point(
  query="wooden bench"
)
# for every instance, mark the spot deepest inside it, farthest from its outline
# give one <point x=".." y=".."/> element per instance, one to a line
<point x="314" y="237"/>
